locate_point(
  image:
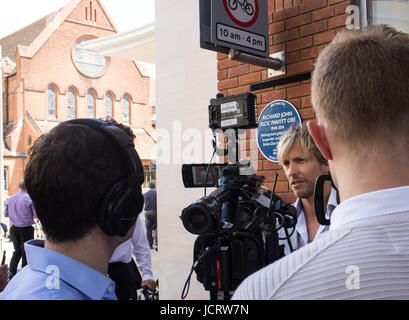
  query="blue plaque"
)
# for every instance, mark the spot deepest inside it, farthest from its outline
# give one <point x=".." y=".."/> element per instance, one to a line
<point x="276" y="118"/>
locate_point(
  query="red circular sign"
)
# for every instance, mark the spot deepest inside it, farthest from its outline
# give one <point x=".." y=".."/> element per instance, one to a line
<point x="242" y="12"/>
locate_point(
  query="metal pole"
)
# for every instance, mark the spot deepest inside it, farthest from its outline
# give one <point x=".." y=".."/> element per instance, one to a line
<point x="1" y="141"/>
<point x="271" y="63"/>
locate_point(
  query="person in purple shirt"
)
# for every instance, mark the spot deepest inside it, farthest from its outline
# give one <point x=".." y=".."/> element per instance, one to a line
<point x="20" y="211"/>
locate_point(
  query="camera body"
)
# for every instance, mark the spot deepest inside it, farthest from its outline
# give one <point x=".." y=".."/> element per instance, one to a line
<point x="237" y="223"/>
<point x="237" y="231"/>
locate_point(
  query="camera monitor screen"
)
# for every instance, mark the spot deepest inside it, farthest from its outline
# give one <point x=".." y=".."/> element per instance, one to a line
<point x="194" y="175"/>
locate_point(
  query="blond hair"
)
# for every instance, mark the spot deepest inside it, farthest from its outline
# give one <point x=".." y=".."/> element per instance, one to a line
<point x="300" y="134"/>
<point x="360" y="84"/>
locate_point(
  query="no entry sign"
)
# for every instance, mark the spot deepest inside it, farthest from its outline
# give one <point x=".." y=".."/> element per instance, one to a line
<point x="241" y="25"/>
<point x="243" y="13"/>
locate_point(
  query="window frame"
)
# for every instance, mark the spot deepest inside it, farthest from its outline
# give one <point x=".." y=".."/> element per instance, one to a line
<point x="366" y="18"/>
<point x="94" y="97"/>
<point x="112" y="104"/>
<point x="129" y="99"/>
<point x="75" y="91"/>
<point x="55" y="89"/>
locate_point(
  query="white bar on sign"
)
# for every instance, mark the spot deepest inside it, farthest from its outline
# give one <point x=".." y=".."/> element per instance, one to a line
<point x="240" y="37"/>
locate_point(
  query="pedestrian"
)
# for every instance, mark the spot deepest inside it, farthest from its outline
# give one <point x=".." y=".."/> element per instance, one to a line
<point x="84" y="177"/>
<point x="150" y="213"/>
<point x="21" y="213"/>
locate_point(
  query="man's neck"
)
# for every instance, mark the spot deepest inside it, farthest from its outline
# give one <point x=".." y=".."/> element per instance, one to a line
<point x="92" y="250"/>
<point x="379" y="171"/>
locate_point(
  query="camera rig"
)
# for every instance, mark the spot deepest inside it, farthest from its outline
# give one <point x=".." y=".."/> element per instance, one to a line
<point x="237" y="223"/>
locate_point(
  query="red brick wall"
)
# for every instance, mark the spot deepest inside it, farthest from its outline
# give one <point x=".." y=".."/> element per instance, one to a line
<point x="301" y="29"/>
<point x="122" y="76"/>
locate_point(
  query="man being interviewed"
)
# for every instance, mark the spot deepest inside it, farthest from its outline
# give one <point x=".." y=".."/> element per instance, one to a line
<point x="360" y="96"/>
<point x="303" y="163"/>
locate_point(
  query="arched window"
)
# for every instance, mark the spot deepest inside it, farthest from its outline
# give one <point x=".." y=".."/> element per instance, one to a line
<point x="125" y="109"/>
<point x="90" y="104"/>
<point x="52" y="102"/>
<point x="72" y="103"/>
<point x="108" y="106"/>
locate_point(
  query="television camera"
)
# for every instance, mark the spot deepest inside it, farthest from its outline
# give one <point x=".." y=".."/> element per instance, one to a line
<point x="237" y="224"/>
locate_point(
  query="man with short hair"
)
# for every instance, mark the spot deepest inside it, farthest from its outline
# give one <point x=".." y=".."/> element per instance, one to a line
<point x="303" y="163"/>
<point x="360" y="95"/>
<point x="20" y="211"/>
<point x="84" y="178"/>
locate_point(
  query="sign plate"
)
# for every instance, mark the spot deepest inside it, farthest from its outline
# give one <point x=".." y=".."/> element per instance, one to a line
<point x="241" y="25"/>
<point x="275" y="119"/>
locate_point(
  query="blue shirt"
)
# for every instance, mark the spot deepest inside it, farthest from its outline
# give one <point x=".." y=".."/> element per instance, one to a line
<point x="50" y="275"/>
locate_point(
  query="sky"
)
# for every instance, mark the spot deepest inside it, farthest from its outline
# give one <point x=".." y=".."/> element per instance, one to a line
<point x="126" y="14"/>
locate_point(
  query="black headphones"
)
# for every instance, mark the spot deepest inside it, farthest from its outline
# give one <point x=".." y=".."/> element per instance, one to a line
<point x="122" y="203"/>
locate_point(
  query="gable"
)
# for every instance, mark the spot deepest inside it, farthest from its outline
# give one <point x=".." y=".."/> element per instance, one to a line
<point x="86" y="12"/>
<point x="93" y="13"/>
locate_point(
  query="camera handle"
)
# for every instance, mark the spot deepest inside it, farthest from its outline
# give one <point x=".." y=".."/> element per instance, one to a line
<point x="233" y="149"/>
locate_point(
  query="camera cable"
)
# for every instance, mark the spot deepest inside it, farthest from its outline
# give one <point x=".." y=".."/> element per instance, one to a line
<point x="186" y="287"/>
<point x="208" y="166"/>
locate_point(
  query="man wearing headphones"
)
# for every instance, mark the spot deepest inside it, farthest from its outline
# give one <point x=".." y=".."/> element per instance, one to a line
<point x="84" y="178"/>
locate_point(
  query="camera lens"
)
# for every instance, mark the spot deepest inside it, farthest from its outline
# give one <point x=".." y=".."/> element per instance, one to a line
<point x="197" y="219"/>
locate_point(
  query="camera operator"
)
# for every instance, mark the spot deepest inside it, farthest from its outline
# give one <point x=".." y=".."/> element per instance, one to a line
<point x="303" y="163"/>
<point x="360" y="95"/>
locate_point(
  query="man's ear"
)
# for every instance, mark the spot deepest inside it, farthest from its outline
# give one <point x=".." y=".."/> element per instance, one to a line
<point x="318" y="133"/>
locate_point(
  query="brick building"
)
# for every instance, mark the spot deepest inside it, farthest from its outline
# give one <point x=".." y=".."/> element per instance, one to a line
<point x="49" y="78"/>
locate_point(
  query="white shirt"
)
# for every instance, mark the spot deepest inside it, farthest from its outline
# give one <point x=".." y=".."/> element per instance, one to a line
<point x="299" y="237"/>
<point x="138" y="246"/>
<point x="364" y="255"/>
<point x="301" y="226"/>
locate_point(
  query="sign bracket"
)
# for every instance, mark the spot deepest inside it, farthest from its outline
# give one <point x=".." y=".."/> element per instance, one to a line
<point x="270" y="63"/>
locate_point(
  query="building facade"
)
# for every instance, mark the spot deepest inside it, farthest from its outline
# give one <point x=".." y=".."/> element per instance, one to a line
<point x="301" y="29"/>
<point x="48" y="78"/>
